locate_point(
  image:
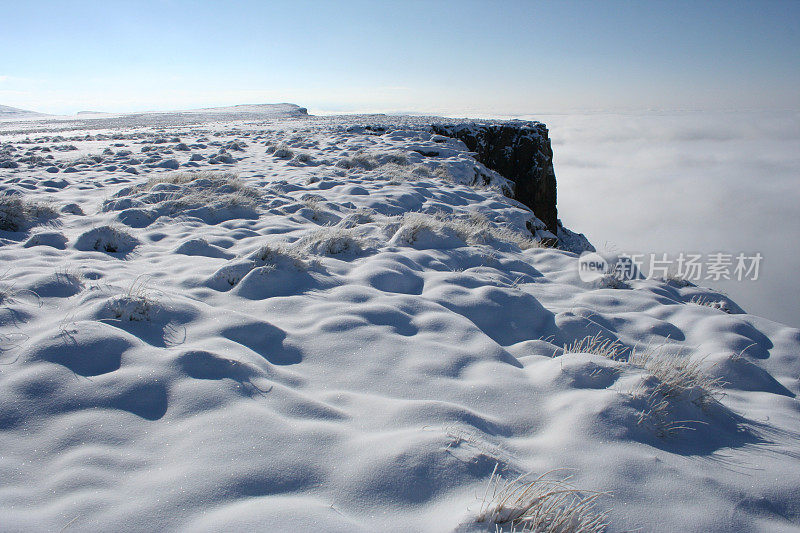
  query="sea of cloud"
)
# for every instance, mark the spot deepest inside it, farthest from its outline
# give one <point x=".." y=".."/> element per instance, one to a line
<point x="693" y="183"/>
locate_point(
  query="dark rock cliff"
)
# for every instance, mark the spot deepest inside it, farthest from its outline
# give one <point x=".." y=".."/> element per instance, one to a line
<point x="520" y="152"/>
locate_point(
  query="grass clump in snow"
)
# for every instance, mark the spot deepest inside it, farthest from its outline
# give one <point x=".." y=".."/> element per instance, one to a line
<point x="182" y="178"/>
<point x="475" y="229"/>
<point x="315" y="204"/>
<point x="215" y="196"/>
<point x="358" y="160"/>
<point x="136" y="305"/>
<point x="543" y="505"/>
<point x="678" y="377"/>
<point x="302" y="158"/>
<point x="443" y="173"/>
<point x="396" y="158"/>
<point x="719" y="305"/>
<point x="220" y="188"/>
<point x="283" y="152"/>
<point x="268" y="257"/>
<point x="677" y="281"/>
<point x="670" y="385"/>
<point x="279" y="255"/>
<point x="18" y="214"/>
<point x="597" y="345"/>
<point x="612" y="281"/>
<point x="397" y="174"/>
<point x="331" y="240"/>
<point x="410" y="227"/>
<point x="362" y="215"/>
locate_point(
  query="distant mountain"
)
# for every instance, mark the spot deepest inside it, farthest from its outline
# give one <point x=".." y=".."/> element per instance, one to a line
<point x="254" y="109"/>
<point x="13" y="112"/>
<point x="247" y="110"/>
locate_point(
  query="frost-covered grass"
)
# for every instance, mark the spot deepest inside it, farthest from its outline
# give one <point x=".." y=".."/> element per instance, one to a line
<point x="669" y="379"/>
<point x="202" y="188"/>
<point x="314" y="202"/>
<point x="612" y="281"/>
<point x="398" y="174"/>
<point x="213" y="193"/>
<point x="597" y="345"/>
<point x="477" y="229"/>
<point x="677" y="281"/>
<point x="303" y="158"/>
<point x="316" y="205"/>
<point x="332" y="240"/>
<point x="678" y="377"/>
<point x="268" y="257"/>
<point x="358" y="160"/>
<point x="19" y="214"/>
<point x="229" y="195"/>
<point x="474" y="229"/>
<point x="279" y="255"/>
<point x="137" y="304"/>
<point x="358" y="217"/>
<point x="182" y="178"/>
<point x="283" y="152"/>
<point x="542" y="505"/>
<point x="719" y="305"/>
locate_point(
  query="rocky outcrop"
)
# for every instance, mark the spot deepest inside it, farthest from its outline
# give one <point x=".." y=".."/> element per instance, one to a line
<point x="520" y="152"/>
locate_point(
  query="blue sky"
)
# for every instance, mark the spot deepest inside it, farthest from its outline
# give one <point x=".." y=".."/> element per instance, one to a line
<point x="464" y="57"/>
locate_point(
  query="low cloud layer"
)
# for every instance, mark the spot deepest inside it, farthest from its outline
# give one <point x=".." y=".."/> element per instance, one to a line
<point x="689" y="183"/>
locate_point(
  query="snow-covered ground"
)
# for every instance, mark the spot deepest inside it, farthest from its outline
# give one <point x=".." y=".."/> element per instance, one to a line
<point x="237" y="323"/>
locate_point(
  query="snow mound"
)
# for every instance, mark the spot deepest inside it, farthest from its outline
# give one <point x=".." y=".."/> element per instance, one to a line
<point x="109" y="239"/>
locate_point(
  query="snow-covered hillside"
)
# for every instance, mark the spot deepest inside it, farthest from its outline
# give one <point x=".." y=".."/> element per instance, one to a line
<point x="12" y="113"/>
<point x="243" y="323"/>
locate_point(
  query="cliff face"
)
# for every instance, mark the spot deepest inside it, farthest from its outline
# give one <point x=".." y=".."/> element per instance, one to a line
<point x="520" y="152"/>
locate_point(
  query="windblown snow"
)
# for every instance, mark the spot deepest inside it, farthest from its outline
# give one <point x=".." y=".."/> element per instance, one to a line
<point x="234" y="321"/>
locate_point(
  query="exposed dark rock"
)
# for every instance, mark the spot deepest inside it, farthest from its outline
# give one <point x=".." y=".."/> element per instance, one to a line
<point x="520" y="152"/>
